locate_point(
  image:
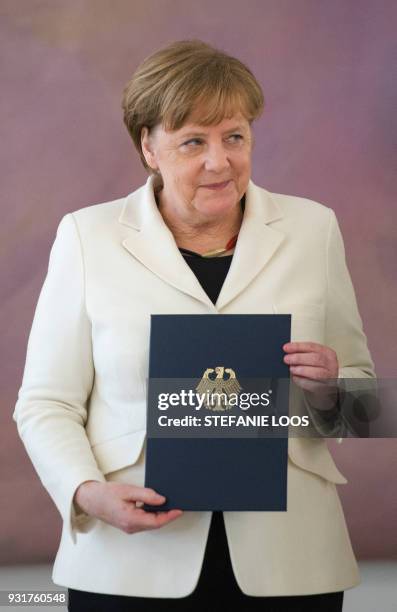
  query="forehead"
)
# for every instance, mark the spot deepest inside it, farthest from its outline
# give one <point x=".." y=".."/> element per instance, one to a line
<point x="235" y="122"/>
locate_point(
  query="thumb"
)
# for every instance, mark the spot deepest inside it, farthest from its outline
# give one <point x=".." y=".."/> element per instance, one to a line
<point x="144" y="494"/>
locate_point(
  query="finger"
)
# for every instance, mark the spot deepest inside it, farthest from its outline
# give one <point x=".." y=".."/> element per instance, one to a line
<point x="170" y="514"/>
<point x="320" y="387"/>
<point x="144" y="494"/>
<point x="162" y="518"/>
<point x="310" y="359"/>
<point x="152" y="520"/>
<point x="315" y="387"/>
<point x="309" y="372"/>
<point x="298" y="347"/>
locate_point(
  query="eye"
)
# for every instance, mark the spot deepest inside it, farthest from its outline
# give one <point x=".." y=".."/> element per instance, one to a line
<point x="236" y="137"/>
<point x="192" y="142"/>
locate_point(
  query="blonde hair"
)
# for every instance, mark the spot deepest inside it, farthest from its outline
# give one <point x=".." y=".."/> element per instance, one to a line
<point x="188" y="79"/>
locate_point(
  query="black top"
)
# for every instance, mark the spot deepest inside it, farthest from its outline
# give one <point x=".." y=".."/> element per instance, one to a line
<point x="210" y="271"/>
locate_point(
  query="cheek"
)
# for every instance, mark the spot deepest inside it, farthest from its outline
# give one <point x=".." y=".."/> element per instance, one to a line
<point x="243" y="166"/>
<point x="246" y="159"/>
<point x="243" y="174"/>
<point x="188" y="176"/>
<point x="176" y="174"/>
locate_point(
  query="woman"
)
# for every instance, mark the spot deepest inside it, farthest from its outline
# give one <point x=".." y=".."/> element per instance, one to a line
<point x="199" y="237"/>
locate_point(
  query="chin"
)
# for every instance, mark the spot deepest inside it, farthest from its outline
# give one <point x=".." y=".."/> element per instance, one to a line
<point x="217" y="205"/>
<point x="216" y="202"/>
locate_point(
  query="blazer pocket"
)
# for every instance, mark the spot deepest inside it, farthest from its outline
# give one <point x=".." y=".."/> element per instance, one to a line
<point x="313" y="455"/>
<point x="119" y="452"/>
<point x="307" y="320"/>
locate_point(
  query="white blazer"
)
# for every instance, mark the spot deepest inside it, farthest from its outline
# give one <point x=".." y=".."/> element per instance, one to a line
<point x="81" y="409"/>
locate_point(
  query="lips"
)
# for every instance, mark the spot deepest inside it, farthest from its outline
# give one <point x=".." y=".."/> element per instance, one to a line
<point x="217" y="185"/>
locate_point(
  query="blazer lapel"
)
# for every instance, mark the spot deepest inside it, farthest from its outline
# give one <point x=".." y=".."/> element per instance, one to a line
<point x="153" y="244"/>
<point x="257" y="243"/>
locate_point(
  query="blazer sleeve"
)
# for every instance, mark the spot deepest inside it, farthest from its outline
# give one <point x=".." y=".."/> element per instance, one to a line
<point x="343" y="328"/>
<point x="51" y="409"/>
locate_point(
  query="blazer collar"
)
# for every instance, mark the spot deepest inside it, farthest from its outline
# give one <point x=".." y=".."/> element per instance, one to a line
<point x="152" y="243"/>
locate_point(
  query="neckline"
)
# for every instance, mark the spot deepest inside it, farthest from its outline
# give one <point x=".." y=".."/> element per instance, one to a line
<point x="198" y="257"/>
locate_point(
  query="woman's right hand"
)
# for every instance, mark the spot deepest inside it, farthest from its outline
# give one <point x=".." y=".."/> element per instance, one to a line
<point x="119" y="505"/>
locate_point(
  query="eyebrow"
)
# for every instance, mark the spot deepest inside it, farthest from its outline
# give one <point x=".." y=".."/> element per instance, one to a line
<point x="237" y="128"/>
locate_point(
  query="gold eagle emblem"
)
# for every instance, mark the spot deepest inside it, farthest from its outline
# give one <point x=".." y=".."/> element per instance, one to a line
<point x="217" y="389"/>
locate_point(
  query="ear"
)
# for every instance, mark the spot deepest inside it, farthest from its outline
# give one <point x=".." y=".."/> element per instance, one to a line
<point x="147" y="148"/>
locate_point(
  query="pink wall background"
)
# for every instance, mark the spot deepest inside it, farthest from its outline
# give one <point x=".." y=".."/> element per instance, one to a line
<point x="327" y="134"/>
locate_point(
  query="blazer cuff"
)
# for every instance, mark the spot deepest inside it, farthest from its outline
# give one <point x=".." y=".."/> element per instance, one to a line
<point x="74" y="519"/>
<point x="329" y="422"/>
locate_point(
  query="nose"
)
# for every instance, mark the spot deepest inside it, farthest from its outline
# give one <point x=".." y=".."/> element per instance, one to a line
<point x="216" y="158"/>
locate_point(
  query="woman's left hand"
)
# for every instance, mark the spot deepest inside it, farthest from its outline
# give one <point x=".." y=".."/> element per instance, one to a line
<point x="313" y="366"/>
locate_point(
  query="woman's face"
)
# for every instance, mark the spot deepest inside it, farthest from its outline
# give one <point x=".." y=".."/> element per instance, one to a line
<point x="204" y="169"/>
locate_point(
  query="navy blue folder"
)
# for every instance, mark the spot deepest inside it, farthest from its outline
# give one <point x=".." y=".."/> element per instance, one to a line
<point x="239" y="474"/>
